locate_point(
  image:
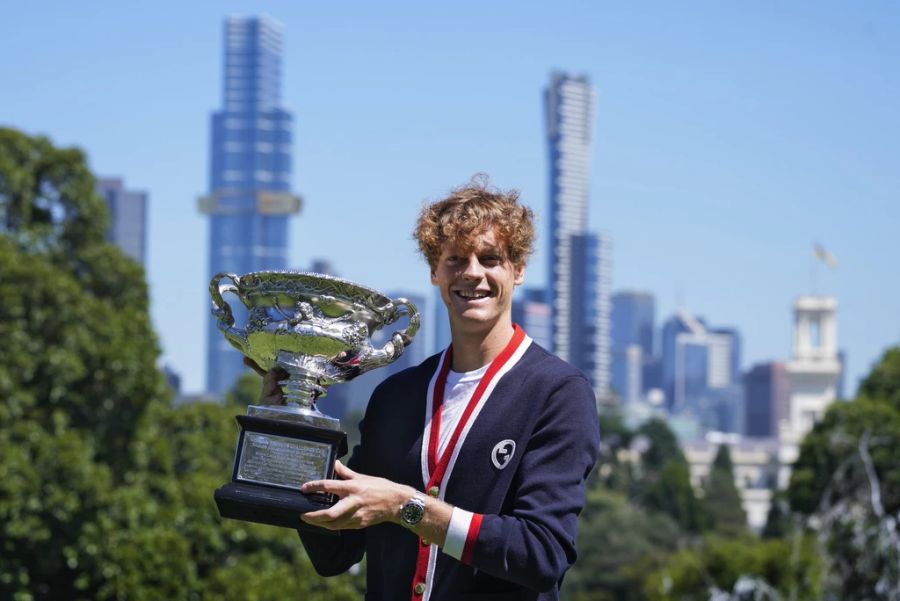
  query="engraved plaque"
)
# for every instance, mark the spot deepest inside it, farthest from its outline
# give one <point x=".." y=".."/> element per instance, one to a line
<point x="282" y="461"/>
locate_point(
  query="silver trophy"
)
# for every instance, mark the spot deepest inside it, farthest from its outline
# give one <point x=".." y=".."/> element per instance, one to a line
<point x="317" y="328"/>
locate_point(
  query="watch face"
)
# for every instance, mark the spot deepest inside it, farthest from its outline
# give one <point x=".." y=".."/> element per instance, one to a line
<point x="412" y="512"/>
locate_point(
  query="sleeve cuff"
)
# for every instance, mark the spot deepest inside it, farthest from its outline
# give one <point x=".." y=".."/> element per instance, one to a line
<point x="461" y="534"/>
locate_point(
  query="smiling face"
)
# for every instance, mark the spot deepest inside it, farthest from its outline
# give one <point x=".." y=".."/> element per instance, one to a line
<point x="476" y="282"/>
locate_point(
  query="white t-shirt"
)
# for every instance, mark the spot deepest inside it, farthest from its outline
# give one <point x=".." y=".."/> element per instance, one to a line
<point x="459" y="389"/>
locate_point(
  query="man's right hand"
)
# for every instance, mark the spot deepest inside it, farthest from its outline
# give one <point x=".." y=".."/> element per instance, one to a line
<point x="271" y="393"/>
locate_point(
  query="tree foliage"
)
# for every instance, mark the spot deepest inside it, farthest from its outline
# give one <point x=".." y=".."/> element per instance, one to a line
<point x="614" y="537"/>
<point x="846" y="483"/>
<point x="245" y="390"/>
<point x="721" y="499"/>
<point x="664" y="484"/>
<point x="790" y="568"/>
<point x="883" y="382"/>
<point x="105" y="489"/>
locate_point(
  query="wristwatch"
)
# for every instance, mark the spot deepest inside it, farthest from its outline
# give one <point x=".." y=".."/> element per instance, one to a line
<point x="412" y="512"/>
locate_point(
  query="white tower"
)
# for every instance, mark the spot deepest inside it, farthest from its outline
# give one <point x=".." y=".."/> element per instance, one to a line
<point x="813" y="373"/>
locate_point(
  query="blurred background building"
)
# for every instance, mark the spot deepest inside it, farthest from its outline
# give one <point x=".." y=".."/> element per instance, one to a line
<point x="249" y="200"/>
<point x="813" y="374"/>
<point x="127" y="217"/>
<point x="578" y="274"/>
<point x="766" y="390"/>
<point x="783" y="401"/>
<point x="531" y="311"/>
<point x="633" y="318"/>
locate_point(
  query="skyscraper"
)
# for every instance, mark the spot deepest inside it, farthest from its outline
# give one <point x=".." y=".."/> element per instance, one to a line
<point x="766" y="397"/>
<point x="127" y="217"/>
<point x="532" y="313"/>
<point x="579" y="273"/>
<point x="700" y="371"/>
<point x="249" y="198"/>
<point x="568" y="105"/>
<point x="633" y="318"/>
<point x="588" y="323"/>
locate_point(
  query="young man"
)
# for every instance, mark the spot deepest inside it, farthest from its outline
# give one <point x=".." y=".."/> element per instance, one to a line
<point x="470" y="474"/>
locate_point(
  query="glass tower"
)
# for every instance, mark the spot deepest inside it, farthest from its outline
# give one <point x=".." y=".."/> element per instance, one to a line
<point x="633" y="320"/>
<point x="568" y="104"/>
<point x="249" y="198"/>
<point x="579" y="260"/>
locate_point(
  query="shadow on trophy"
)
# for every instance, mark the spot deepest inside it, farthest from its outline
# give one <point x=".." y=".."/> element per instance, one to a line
<point x="317" y="328"/>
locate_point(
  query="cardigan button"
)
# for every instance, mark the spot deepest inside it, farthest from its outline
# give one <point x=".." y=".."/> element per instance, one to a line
<point x="434" y="491"/>
<point x="420" y="588"/>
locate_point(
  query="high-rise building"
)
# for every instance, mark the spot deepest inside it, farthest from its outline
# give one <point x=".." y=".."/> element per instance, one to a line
<point x="127" y="217"/>
<point x="766" y="390"/>
<point x="588" y="323"/>
<point x="684" y="359"/>
<point x="701" y="372"/>
<point x="249" y="198"/>
<point x="579" y="261"/>
<point x="533" y="314"/>
<point x="568" y="105"/>
<point x="633" y="316"/>
<point x="603" y="337"/>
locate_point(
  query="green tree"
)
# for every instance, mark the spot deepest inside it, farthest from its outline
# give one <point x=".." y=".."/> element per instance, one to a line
<point x="664" y="484"/>
<point x="615" y="536"/>
<point x="721" y="499"/>
<point x="846" y="483"/>
<point x="789" y="567"/>
<point x="105" y="490"/>
<point x="80" y="351"/>
<point x="778" y="523"/>
<point x="614" y="467"/>
<point x="163" y="535"/>
<point x="77" y="368"/>
<point x="245" y="390"/>
<point x="47" y="195"/>
<point x="883" y="382"/>
<point x="662" y="444"/>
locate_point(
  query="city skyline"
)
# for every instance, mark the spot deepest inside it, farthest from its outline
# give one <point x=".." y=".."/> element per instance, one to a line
<point x="726" y="152"/>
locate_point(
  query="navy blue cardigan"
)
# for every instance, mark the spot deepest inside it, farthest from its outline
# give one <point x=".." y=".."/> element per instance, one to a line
<point x="526" y="541"/>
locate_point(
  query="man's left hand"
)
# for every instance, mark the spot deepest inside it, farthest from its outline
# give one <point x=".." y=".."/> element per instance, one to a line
<point x="364" y="500"/>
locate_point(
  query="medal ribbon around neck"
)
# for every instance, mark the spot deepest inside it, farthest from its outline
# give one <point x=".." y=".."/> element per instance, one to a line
<point x="437" y="466"/>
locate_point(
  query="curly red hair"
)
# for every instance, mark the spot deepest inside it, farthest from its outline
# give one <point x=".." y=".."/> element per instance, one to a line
<point x="468" y="212"/>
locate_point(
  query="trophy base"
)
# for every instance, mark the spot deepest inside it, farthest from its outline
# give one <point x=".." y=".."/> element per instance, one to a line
<point x="268" y="505"/>
<point x="274" y="458"/>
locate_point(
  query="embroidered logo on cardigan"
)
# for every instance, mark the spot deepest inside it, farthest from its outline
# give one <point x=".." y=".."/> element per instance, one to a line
<point x="503" y="452"/>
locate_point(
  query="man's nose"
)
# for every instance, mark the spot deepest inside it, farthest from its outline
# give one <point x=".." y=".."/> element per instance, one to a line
<point x="473" y="268"/>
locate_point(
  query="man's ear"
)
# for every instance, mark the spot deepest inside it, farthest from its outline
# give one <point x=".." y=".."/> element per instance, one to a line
<point x="433" y="278"/>
<point x="520" y="273"/>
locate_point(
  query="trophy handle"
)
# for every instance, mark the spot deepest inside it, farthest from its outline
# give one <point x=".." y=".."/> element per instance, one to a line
<point x="399" y="339"/>
<point x="221" y="310"/>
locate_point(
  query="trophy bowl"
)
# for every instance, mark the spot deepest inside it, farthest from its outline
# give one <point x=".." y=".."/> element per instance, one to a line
<point x="317" y="328"/>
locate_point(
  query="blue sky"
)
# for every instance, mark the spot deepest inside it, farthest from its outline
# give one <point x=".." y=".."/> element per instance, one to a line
<point x="729" y="138"/>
